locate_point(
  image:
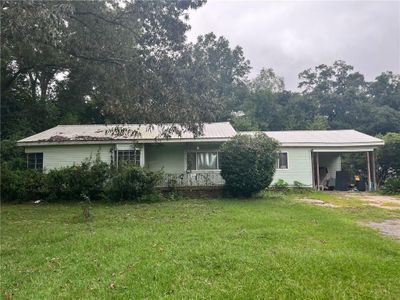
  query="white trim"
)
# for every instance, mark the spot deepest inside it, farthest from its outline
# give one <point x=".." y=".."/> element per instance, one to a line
<point x="308" y="144"/>
<point x="201" y="151"/>
<point x="287" y="159"/>
<point x="110" y="142"/>
<point x="338" y="150"/>
<point x="141" y="159"/>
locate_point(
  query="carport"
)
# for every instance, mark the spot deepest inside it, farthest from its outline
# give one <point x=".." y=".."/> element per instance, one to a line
<point x="330" y="159"/>
<point x="314" y="157"/>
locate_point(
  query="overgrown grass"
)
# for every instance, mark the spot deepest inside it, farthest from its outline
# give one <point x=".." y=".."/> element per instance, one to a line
<point x="269" y="247"/>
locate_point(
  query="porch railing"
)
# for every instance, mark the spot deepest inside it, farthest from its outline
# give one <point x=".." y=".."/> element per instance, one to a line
<point x="192" y="179"/>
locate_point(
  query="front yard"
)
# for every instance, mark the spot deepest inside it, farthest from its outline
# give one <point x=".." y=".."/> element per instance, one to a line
<point x="271" y="247"/>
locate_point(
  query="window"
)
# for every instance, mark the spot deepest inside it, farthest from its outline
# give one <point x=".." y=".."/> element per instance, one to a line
<point x="132" y="156"/>
<point x="202" y="161"/>
<point x="34" y="161"/>
<point x="282" y="160"/>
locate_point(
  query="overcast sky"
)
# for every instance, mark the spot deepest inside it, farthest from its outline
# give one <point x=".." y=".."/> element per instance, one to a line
<point x="293" y="36"/>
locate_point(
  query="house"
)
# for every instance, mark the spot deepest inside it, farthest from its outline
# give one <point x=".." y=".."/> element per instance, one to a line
<point x="310" y="157"/>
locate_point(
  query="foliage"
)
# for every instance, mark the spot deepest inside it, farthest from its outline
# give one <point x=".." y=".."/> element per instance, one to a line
<point x="132" y="183"/>
<point x="89" y="181"/>
<point x="21" y="185"/>
<point x="267" y="80"/>
<point x="391" y="186"/>
<point x="77" y="182"/>
<point x="388" y="155"/>
<point x="248" y="163"/>
<point x="12" y="155"/>
<point x="298" y="184"/>
<point x="280" y="185"/>
<point x="96" y="62"/>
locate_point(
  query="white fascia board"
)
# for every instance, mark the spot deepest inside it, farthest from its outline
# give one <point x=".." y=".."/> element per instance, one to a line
<point x="110" y="142"/>
<point x="374" y="144"/>
<point x="342" y="150"/>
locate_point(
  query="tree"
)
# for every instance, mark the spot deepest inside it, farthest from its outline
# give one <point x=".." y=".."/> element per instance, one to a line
<point x="388" y="155"/>
<point x="248" y="163"/>
<point x="133" y="53"/>
<point x="267" y="80"/>
<point x="337" y="89"/>
<point x="117" y="62"/>
<point x="385" y="90"/>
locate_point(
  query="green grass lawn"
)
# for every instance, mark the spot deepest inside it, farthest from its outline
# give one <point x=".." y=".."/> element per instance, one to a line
<point x="259" y="248"/>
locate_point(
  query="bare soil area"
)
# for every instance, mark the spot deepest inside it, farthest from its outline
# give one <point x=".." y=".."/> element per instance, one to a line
<point x="387" y="202"/>
<point x="387" y="227"/>
<point x="318" y="202"/>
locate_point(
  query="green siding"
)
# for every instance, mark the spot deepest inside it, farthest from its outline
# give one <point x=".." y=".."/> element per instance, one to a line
<point x="170" y="158"/>
<point x="300" y="167"/>
<point x="331" y="161"/>
<point x="55" y="157"/>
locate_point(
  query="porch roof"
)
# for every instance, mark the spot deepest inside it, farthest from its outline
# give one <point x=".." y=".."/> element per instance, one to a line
<point x="141" y="133"/>
<point x="323" y="138"/>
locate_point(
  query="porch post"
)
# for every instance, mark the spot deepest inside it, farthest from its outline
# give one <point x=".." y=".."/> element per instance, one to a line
<point x="142" y="155"/>
<point x="317" y="158"/>
<point x="373" y="171"/>
<point x="369" y="172"/>
<point x="313" y="168"/>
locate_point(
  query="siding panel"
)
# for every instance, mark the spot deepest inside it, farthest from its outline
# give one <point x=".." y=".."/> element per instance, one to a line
<point x="300" y="168"/>
<point x="55" y="157"/>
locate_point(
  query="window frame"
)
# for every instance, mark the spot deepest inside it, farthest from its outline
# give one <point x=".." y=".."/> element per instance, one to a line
<point x="136" y="156"/>
<point x="35" y="164"/>
<point x="278" y="160"/>
<point x="197" y="169"/>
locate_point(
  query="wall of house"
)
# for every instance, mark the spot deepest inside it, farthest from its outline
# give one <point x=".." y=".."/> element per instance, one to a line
<point x="55" y="157"/>
<point x="166" y="157"/>
<point x="299" y="167"/>
<point x="171" y="158"/>
<point x="332" y="162"/>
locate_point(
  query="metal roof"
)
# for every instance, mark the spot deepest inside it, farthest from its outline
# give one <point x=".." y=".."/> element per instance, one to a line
<point x="322" y="138"/>
<point x="101" y="134"/>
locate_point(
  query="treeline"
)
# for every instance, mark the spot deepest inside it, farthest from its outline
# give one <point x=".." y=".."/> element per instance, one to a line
<point x="83" y="62"/>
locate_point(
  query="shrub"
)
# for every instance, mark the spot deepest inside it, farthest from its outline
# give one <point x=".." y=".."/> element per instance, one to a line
<point x="298" y="185"/>
<point x="248" y="163"/>
<point x="21" y="185"/>
<point x="71" y="183"/>
<point x="281" y="185"/>
<point x="391" y="186"/>
<point x="133" y="183"/>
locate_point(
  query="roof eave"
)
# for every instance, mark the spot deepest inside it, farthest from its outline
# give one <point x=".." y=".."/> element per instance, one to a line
<point x="331" y="145"/>
<point x="141" y="141"/>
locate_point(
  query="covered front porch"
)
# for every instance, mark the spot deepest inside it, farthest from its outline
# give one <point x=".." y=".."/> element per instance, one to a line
<point x="182" y="164"/>
<point x="329" y="174"/>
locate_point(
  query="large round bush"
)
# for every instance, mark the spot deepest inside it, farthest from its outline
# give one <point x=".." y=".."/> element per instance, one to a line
<point x="132" y="183"/>
<point x="248" y="163"/>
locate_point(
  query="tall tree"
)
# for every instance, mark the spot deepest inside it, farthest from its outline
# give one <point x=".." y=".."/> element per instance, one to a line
<point x="267" y="80"/>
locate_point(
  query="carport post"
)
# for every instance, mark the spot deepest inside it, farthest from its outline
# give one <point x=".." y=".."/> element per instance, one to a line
<point x="369" y="172"/>
<point x="373" y="171"/>
<point x="317" y="158"/>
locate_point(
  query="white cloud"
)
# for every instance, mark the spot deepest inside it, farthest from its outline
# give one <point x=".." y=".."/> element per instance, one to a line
<point x="293" y="36"/>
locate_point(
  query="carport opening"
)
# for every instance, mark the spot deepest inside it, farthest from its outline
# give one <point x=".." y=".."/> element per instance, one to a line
<point x="344" y="171"/>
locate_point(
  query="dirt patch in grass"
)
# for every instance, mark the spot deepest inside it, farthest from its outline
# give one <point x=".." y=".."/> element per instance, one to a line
<point x="387" y="227"/>
<point x="318" y="202"/>
<point x="387" y="202"/>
